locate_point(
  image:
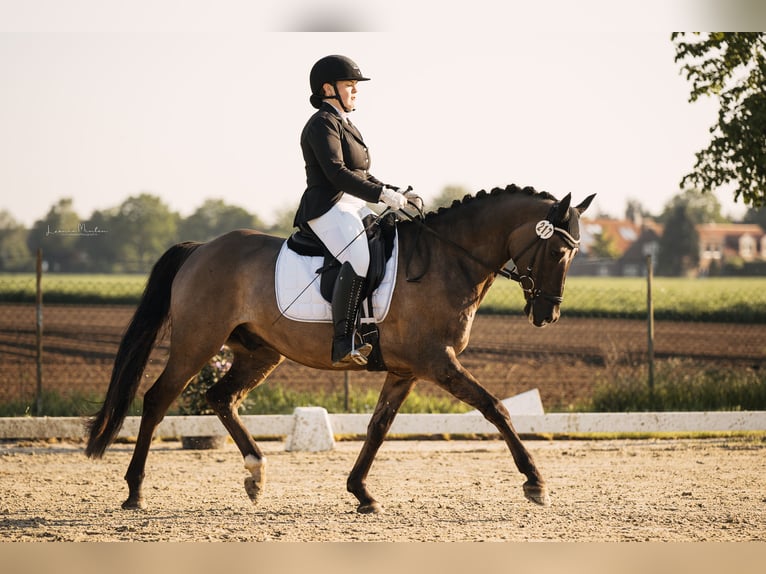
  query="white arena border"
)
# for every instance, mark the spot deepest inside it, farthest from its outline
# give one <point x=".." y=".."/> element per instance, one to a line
<point x="281" y="426"/>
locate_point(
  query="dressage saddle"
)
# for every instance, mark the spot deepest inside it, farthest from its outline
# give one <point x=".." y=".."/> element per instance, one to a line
<point x="380" y="232"/>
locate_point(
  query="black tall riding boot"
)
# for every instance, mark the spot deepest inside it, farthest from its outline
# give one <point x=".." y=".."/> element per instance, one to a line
<point x="346" y="296"/>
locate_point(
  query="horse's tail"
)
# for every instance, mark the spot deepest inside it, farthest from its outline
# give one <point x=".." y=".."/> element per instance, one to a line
<point x="133" y="353"/>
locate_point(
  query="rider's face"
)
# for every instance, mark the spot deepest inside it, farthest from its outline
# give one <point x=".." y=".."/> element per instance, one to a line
<point x="346" y="92"/>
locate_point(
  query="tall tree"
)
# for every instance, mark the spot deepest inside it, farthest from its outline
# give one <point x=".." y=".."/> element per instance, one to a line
<point x="732" y="67"/>
<point x="679" y="245"/>
<point x="283" y="222"/>
<point x="634" y="211"/>
<point x="57" y="234"/>
<point x="700" y="207"/>
<point x="100" y="247"/>
<point x="603" y="246"/>
<point x="141" y="229"/>
<point x="215" y="217"/>
<point x="14" y="251"/>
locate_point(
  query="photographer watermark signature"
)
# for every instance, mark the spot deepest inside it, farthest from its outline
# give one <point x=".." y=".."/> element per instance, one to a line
<point x="82" y="230"/>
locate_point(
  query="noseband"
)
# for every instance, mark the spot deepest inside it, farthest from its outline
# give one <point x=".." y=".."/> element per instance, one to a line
<point x="544" y="230"/>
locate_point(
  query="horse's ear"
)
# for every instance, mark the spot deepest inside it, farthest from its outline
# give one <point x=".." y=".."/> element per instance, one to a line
<point x="585" y="203"/>
<point x="561" y="214"/>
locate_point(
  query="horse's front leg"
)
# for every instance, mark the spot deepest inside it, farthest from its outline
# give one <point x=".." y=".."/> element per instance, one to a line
<point x="395" y="390"/>
<point x="455" y="379"/>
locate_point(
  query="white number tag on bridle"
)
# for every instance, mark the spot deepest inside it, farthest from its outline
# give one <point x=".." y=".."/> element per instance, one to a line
<point x="544" y="229"/>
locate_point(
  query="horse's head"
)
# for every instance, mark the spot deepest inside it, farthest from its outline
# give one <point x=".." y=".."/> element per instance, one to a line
<point x="543" y="251"/>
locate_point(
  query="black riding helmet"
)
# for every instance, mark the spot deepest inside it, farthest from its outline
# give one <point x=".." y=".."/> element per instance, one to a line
<point x="329" y="70"/>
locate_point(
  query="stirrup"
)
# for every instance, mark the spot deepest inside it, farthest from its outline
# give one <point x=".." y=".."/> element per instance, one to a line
<point x="357" y="355"/>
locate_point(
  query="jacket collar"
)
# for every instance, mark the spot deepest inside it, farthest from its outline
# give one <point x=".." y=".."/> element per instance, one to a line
<point x="350" y="128"/>
<point x="334" y="110"/>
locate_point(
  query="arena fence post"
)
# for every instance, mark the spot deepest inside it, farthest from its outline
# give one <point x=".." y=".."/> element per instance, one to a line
<point x="39" y="333"/>
<point x="650" y="321"/>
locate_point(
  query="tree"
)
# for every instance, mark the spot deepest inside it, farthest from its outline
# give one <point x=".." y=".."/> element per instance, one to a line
<point x="732" y="67"/>
<point x="215" y="217"/>
<point x="141" y="230"/>
<point x="57" y="235"/>
<point x="679" y="245"/>
<point x="283" y="223"/>
<point x="603" y="246"/>
<point x="700" y="207"/>
<point x="101" y="250"/>
<point x="14" y="251"/>
<point x="635" y="212"/>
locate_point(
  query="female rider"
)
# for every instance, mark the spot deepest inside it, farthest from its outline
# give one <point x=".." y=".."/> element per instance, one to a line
<point x="338" y="186"/>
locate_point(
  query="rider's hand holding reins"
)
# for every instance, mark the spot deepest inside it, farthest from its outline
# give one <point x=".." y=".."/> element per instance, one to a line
<point x="414" y="207"/>
<point x="409" y="203"/>
<point x="393" y="198"/>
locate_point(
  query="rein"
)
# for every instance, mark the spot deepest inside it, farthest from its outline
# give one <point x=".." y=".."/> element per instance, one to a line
<point x="544" y="230"/>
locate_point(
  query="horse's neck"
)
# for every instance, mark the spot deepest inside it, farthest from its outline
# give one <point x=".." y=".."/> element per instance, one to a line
<point x="484" y="227"/>
<point x="469" y="243"/>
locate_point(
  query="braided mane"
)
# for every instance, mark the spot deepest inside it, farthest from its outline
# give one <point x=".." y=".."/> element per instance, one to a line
<point x="469" y="199"/>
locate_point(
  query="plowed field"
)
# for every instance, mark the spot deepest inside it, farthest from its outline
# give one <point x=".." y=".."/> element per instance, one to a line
<point x="506" y="354"/>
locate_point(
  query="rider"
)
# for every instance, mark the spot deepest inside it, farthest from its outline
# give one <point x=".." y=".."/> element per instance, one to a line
<point x="338" y="185"/>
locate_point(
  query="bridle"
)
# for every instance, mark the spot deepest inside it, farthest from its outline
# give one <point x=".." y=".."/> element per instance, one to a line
<point x="544" y="230"/>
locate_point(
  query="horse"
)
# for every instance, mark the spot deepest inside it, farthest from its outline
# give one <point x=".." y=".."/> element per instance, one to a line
<point x="222" y="293"/>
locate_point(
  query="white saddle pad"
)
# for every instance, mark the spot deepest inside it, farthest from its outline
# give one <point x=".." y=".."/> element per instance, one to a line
<point x="294" y="272"/>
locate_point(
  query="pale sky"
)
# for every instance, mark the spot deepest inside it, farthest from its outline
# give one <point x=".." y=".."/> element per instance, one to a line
<point x="101" y="105"/>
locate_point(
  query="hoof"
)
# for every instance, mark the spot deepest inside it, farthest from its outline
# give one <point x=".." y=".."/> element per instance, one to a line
<point x="253" y="489"/>
<point x="254" y="484"/>
<point x="132" y="503"/>
<point x="537" y="493"/>
<point x="373" y="507"/>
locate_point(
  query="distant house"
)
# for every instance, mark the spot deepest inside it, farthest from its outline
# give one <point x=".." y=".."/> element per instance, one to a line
<point x="633" y="261"/>
<point x="722" y="242"/>
<point x="632" y="241"/>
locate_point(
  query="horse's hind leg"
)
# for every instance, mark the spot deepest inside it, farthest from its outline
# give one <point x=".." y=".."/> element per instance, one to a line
<point x="249" y="369"/>
<point x="157" y="400"/>
<point x="455" y="379"/>
<point x="394" y="391"/>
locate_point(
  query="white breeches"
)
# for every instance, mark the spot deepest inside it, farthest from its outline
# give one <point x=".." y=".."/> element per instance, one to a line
<point x="342" y="232"/>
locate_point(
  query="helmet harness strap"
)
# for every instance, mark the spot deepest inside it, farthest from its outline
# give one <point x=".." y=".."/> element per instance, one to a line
<point x="336" y="96"/>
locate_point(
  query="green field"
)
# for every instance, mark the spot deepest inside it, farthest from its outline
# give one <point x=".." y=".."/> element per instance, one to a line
<point x="732" y="299"/>
<point x="722" y="299"/>
<point x="73" y="288"/>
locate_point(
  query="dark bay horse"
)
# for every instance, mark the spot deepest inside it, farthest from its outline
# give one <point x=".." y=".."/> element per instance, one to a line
<point x="222" y="293"/>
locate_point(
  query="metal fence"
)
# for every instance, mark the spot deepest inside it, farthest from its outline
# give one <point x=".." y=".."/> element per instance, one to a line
<point x="565" y="361"/>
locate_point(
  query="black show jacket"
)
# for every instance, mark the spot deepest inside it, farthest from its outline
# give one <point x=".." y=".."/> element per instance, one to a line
<point x="337" y="162"/>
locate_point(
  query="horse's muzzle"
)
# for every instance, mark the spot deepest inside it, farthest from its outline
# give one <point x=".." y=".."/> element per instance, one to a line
<point x="541" y="311"/>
